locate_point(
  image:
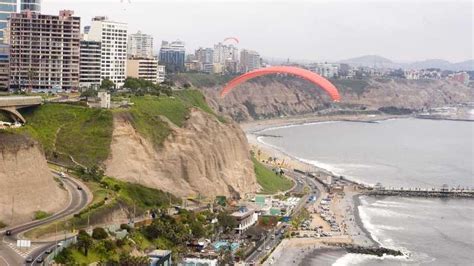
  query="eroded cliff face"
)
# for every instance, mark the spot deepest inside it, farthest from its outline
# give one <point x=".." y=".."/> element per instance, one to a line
<point x="283" y="96"/>
<point x="26" y="183"/>
<point x="204" y="157"/>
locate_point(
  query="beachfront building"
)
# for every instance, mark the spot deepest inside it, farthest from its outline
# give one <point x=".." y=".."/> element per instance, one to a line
<point x="245" y="219"/>
<point x="113" y="38"/>
<point x="51" y="61"/>
<point x="198" y="262"/>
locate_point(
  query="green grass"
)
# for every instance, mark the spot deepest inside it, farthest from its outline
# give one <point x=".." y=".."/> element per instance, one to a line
<point x="80" y="259"/>
<point x="200" y="80"/>
<point x="39" y="215"/>
<point x="146" y="112"/>
<point x="64" y="130"/>
<point x="270" y="182"/>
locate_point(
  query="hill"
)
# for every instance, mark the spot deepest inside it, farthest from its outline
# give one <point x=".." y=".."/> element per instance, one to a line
<point x="370" y="61"/>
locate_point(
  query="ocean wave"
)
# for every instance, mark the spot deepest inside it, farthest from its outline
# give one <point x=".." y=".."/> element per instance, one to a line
<point x="295" y="125"/>
<point x="356" y="259"/>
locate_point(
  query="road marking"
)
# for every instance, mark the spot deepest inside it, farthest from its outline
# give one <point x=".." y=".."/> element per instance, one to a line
<point x="5" y="261"/>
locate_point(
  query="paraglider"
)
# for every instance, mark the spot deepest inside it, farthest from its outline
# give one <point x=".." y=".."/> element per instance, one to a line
<point x="232" y="39"/>
<point x="327" y="86"/>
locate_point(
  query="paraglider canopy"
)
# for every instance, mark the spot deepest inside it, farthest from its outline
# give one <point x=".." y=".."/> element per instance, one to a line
<point x="235" y="39"/>
<point x="323" y="83"/>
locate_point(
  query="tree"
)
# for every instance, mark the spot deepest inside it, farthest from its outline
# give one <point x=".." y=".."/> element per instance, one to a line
<point x="89" y="93"/>
<point x="107" y="84"/>
<point x="129" y="260"/>
<point x="226" y="221"/>
<point x="99" y="233"/>
<point x="84" y="241"/>
<point x="64" y="257"/>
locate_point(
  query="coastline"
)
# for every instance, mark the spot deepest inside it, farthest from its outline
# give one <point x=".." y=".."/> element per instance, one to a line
<point x="358" y="233"/>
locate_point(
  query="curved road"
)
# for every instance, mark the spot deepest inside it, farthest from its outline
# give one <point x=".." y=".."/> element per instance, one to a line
<point x="78" y="200"/>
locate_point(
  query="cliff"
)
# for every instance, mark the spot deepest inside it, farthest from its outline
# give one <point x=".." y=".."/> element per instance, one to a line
<point x="26" y="181"/>
<point x="274" y="96"/>
<point x="203" y="156"/>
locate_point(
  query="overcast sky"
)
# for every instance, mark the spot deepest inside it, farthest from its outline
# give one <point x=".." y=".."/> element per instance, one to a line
<point x="312" y="30"/>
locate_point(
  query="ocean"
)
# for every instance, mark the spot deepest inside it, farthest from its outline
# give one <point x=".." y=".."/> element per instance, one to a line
<point x="396" y="153"/>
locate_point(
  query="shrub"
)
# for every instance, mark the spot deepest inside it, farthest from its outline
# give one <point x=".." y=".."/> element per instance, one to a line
<point x="99" y="233"/>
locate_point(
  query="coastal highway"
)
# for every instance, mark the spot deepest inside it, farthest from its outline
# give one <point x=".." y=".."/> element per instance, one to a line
<point x="273" y="237"/>
<point x="78" y="200"/>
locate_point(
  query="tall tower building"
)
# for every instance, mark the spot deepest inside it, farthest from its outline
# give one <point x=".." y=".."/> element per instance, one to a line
<point x="7" y="7"/>
<point x="51" y="61"/>
<point x="32" y="5"/>
<point x="173" y="55"/>
<point x="90" y="59"/>
<point x="140" y="45"/>
<point x="249" y="60"/>
<point x="113" y="38"/>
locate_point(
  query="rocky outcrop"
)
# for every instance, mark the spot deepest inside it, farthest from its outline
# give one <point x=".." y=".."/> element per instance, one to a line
<point x="269" y="97"/>
<point x="204" y="157"/>
<point x="26" y="183"/>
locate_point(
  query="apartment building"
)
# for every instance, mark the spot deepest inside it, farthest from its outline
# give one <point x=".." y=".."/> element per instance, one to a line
<point x="145" y="68"/>
<point x="89" y="67"/>
<point x="140" y="45"/>
<point x="113" y="38"/>
<point x="7" y="7"/>
<point x="44" y="50"/>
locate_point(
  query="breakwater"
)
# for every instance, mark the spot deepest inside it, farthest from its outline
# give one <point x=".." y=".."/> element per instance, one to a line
<point x="440" y="193"/>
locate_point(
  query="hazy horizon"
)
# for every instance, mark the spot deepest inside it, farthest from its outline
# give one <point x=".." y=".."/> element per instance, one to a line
<point x="299" y="30"/>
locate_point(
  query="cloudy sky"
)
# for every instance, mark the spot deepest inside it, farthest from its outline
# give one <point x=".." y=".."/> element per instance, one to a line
<point x="313" y="30"/>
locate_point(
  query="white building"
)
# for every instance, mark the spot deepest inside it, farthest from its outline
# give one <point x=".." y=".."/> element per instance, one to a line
<point x="245" y="218"/>
<point x="161" y="73"/>
<point x="104" y="99"/>
<point x="113" y="38"/>
<point x="249" y="60"/>
<point x="140" y="45"/>
<point x="325" y="69"/>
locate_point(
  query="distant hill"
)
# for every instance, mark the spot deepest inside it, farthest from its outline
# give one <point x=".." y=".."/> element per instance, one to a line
<point x="369" y="61"/>
<point x="379" y="61"/>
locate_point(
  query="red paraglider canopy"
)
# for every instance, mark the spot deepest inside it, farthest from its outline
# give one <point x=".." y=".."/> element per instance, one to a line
<point x="327" y="86"/>
<point x="231" y="39"/>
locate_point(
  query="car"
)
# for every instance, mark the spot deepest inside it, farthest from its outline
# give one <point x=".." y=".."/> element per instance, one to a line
<point x="29" y="260"/>
<point x="79" y="188"/>
<point x="267" y="248"/>
<point x="40" y="259"/>
<point x="259" y="249"/>
<point x="49" y="251"/>
<point x="8" y="233"/>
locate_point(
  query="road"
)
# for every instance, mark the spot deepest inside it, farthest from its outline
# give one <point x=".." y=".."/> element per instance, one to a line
<point x="271" y="240"/>
<point x="8" y="256"/>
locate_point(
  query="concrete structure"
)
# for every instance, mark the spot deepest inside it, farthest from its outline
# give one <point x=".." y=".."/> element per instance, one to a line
<point x="89" y="64"/>
<point x="249" y="60"/>
<point x="11" y="104"/>
<point x="7" y="7"/>
<point x="32" y="5"/>
<point x="199" y="262"/>
<point x="144" y="68"/>
<point x="49" y="61"/>
<point x="140" y="45"/>
<point x="104" y="99"/>
<point x="173" y="55"/>
<point x="160" y="257"/>
<point x="4" y="67"/>
<point x="245" y="218"/>
<point x="113" y="38"/>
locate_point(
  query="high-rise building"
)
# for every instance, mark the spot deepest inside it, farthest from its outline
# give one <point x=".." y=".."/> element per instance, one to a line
<point x="205" y="55"/>
<point x="249" y="60"/>
<point x="223" y="53"/>
<point x="173" y="55"/>
<point x="44" y="50"/>
<point x="144" y="68"/>
<point x="140" y="45"/>
<point x="89" y="67"/>
<point x="113" y="38"/>
<point x="4" y="67"/>
<point x="32" y="5"/>
<point x="6" y="8"/>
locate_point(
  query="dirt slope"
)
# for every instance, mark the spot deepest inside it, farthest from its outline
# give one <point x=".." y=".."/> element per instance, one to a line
<point x="26" y="181"/>
<point x="204" y="157"/>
